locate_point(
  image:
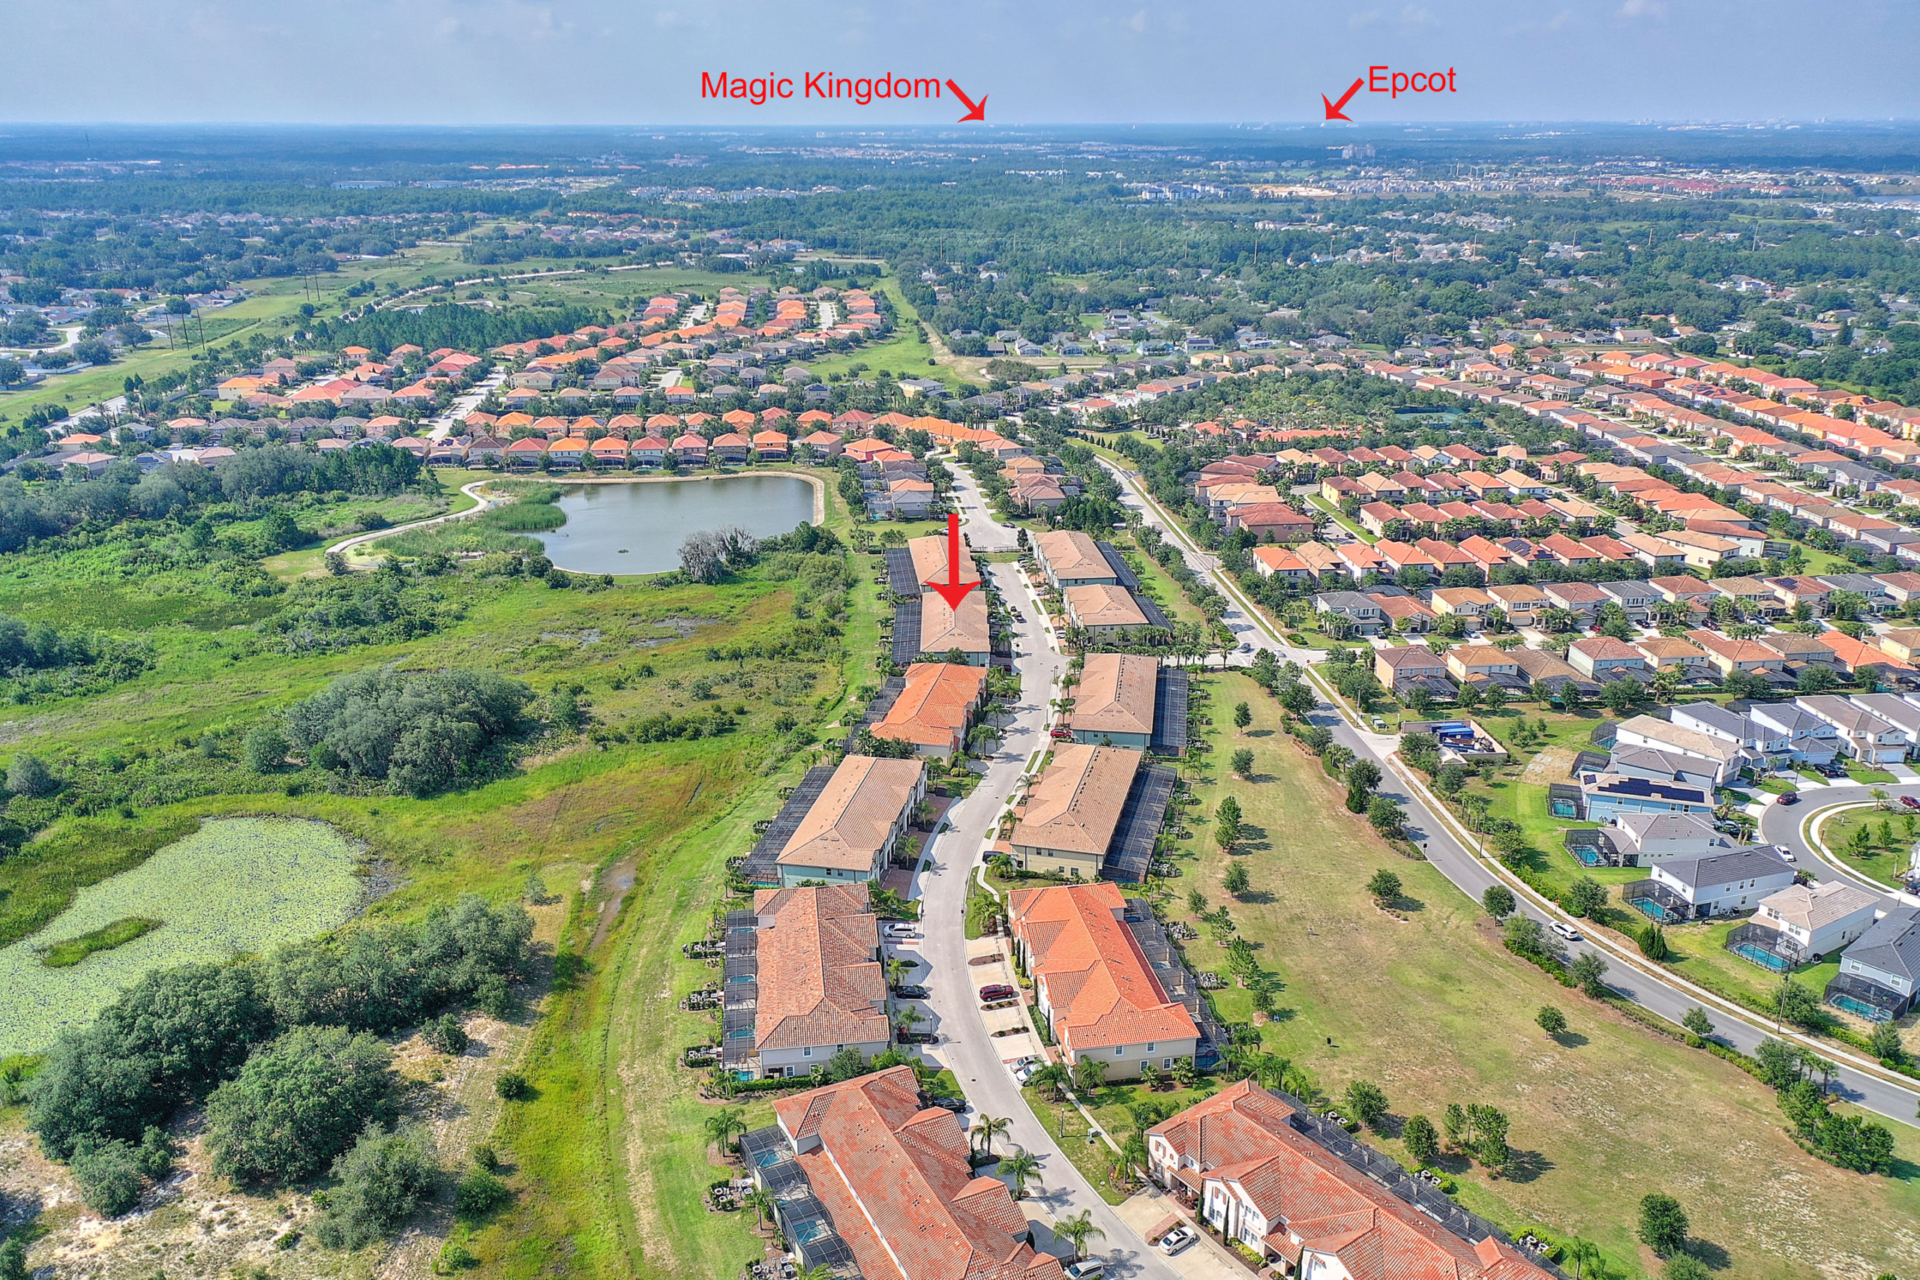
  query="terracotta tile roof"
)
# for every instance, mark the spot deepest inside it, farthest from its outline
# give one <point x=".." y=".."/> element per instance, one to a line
<point x="932" y="711"/>
<point x="1076" y="803"/>
<point x="1241" y="1137"/>
<point x="896" y="1181"/>
<point x="1071" y="554"/>
<point x="855" y="814"/>
<point x="819" y="983"/>
<point x="1098" y="984"/>
<point x="1116" y="694"/>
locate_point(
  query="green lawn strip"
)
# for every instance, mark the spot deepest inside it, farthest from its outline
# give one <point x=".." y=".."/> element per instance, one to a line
<point x="63" y="955"/>
<point x="1089" y="1154"/>
<point x="1162" y="590"/>
<point x="40" y="881"/>
<point x="1702" y="959"/>
<point x="1429" y="1006"/>
<point x="1883" y="862"/>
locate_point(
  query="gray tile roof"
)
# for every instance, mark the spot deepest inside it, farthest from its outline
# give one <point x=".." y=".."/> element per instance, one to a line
<point x="1892" y="945"/>
<point x="1723" y="868"/>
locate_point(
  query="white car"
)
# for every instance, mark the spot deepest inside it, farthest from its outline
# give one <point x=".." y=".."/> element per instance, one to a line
<point x="900" y="931"/>
<point x="1564" y="929"/>
<point x="1086" y="1269"/>
<point x="1176" y="1240"/>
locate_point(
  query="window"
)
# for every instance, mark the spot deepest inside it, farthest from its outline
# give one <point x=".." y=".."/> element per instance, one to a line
<point x="807" y="1052"/>
<point x="1149" y="1046"/>
<point x="1166" y="1064"/>
<point x="1119" y="1051"/>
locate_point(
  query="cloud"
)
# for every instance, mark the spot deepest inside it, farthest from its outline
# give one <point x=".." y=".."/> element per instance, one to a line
<point x="1138" y="23"/>
<point x="1415" y="15"/>
<point x="1655" y="9"/>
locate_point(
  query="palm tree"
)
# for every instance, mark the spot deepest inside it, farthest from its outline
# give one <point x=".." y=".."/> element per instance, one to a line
<point x="1133" y="1155"/>
<point x="723" y="1124"/>
<point x="986" y="1129"/>
<point x="1580" y="1253"/>
<point x="760" y="1202"/>
<point x="897" y="971"/>
<point x="1052" y="1077"/>
<point x="906" y="1017"/>
<point x="1077" y="1230"/>
<point x="1020" y="1166"/>
<point x="1089" y="1074"/>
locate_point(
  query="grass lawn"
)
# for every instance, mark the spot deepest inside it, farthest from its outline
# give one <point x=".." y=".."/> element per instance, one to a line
<point x="1430" y="1007"/>
<point x="1882" y="860"/>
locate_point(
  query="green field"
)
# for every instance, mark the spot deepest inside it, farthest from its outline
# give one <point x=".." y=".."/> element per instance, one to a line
<point x="1426" y="1004"/>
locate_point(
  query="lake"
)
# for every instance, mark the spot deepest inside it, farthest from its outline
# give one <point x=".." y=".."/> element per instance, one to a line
<point x="638" y="528"/>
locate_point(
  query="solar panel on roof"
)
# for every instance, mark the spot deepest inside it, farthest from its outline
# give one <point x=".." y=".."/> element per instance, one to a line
<point x="1154" y="617"/>
<point x="1122" y="571"/>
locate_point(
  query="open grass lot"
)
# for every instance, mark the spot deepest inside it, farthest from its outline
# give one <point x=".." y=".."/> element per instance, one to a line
<point x="630" y="836"/>
<point x="1432" y="1009"/>
<point x="1888" y="852"/>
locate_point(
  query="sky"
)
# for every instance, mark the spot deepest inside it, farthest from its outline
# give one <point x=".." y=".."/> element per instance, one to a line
<point x="632" y="62"/>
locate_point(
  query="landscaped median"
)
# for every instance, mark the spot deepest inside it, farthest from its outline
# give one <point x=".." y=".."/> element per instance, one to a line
<point x="1870" y="841"/>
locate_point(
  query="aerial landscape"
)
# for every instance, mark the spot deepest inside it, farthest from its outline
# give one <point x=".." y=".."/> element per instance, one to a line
<point x="819" y="644"/>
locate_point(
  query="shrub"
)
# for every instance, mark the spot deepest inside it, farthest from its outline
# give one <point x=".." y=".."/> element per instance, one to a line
<point x="1422" y="1142"/>
<point x="13" y="1259"/>
<point x="108" y="1172"/>
<point x="1365" y="1103"/>
<point x="479" y="1194"/>
<point x="1551" y="1020"/>
<point x="1384" y="886"/>
<point x="445" y="1035"/>
<point x="1498" y="900"/>
<point x="485" y="1157"/>
<point x="1663" y="1224"/>
<point x="29" y="775"/>
<point x="298" y="1103"/>
<point x="382" y="1179"/>
<point x="419" y="732"/>
<point x="512" y="1086"/>
<point x="266" y="748"/>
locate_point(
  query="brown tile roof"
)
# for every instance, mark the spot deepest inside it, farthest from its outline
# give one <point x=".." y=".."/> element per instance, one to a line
<point x="943" y="628"/>
<point x="1071" y="554"/>
<point x="855" y="814"/>
<point x="1242" y="1136"/>
<point x="1116" y="694"/>
<point x="932" y="710"/>
<point x="1099" y="986"/>
<point x="896" y="1181"/>
<point x="1076" y="803"/>
<point x="819" y="983"/>
<point x="930" y="560"/>
<point x="1102" y="605"/>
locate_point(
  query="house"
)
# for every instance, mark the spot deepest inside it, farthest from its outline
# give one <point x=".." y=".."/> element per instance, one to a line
<point x="1794" y="647"/>
<point x="1820" y="919"/>
<point x="1283" y="563"/>
<point x="1637" y="599"/>
<point x="1854" y="656"/>
<point x="1729" y="655"/>
<point x="1660" y="766"/>
<point x="1712" y="884"/>
<point x="1092" y="982"/>
<point x="1113" y="705"/>
<point x="1662" y="652"/>
<point x="1072" y="811"/>
<point x="819" y="987"/>
<point x="1880" y="973"/>
<point x="936" y="708"/>
<point x="944" y="629"/>
<point x="1070" y="558"/>
<point x="862" y="1175"/>
<point x="1895" y="710"/>
<point x="930" y="556"/>
<point x="1646" y="838"/>
<point x="1656" y="553"/>
<point x="1901" y="642"/>
<point x="1606" y="797"/>
<point x="1470" y="603"/>
<point x="1582" y="599"/>
<point x="1362" y="612"/>
<point x="1605" y="658"/>
<point x="1725" y="758"/>
<point x="1761" y="741"/>
<point x="1539" y="668"/>
<point x="856" y="822"/>
<point x="1521" y="601"/>
<point x="1482" y="664"/>
<point x="1250" y="1163"/>
<point x="1810" y="740"/>
<point x="1102" y="610"/>
<point x="1408" y="667"/>
<point x="1864" y="736"/>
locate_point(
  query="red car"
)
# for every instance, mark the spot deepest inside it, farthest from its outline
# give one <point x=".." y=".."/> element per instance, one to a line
<point x="1788" y="798"/>
<point x="1062" y="735"/>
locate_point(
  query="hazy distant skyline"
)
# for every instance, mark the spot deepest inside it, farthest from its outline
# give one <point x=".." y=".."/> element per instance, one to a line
<point x="1070" y="61"/>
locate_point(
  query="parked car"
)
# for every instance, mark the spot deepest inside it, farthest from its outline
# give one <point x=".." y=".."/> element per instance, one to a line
<point x="1176" y="1240"/>
<point x="900" y="929"/>
<point x="1910" y="802"/>
<point x="1062" y="735"/>
<point x="1564" y="929"/>
<point x="1786" y="853"/>
<point x="1791" y="798"/>
<point x="911" y="992"/>
<point x="1086" y="1270"/>
<point x="948" y="1104"/>
<point x="997" y="991"/>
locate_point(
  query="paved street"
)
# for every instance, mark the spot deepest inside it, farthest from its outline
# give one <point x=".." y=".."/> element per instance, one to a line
<point x="1472" y="874"/>
<point x="966" y="1046"/>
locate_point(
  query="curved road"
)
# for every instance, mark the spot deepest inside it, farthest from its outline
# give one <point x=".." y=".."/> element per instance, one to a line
<point x="481" y="503"/>
<point x="966" y="1048"/>
<point x="1667" y="996"/>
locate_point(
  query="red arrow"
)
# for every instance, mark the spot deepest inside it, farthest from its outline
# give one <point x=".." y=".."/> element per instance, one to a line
<point x="953" y="591"/>
<point x="1337" y="110"/>
<point x="975" y="110"/>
